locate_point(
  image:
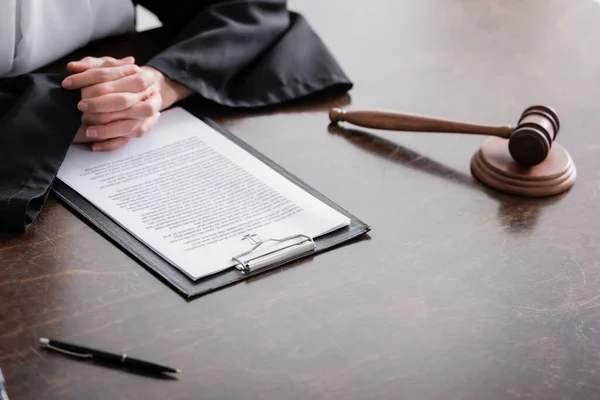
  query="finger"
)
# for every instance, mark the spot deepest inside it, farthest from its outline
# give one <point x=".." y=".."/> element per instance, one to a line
<point x="95" y="76"/>
<point x="91" y="62"/>
<point x="111" y="102"/>
<point x="141" y="110"/>
<point x="112" y="130"/>
<point x="96" y="62"/>
<point x="130" y="83"/>
<point x="111" y="144"/>
<point x="145" y="126"/>
<point x="80" y="136"/>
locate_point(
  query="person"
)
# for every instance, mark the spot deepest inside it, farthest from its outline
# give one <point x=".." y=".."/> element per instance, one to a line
<point x="234" y="53"/>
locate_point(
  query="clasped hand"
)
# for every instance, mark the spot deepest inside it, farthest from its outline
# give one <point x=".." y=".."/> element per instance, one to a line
<point x="119" y="100"/>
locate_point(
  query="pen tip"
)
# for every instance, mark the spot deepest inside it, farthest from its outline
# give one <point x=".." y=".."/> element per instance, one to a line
<point x="44" y="341"/>
<point x="178" y="371"/>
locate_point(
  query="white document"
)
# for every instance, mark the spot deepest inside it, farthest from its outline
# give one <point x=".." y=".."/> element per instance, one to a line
<point x="191" y="194"/>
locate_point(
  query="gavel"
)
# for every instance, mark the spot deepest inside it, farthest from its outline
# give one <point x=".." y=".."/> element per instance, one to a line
<point x="529" y="142"/>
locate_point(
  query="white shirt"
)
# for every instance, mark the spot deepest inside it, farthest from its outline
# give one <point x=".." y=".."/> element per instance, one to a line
<point x="34" y="33"/>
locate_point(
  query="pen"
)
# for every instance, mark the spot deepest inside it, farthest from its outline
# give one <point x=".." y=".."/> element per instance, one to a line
<point x="3" y="394"/>
<point x="109" y="358"/>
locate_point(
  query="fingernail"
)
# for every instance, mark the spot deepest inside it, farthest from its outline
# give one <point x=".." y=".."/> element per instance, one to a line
<point x="82" y="106"/>
<point x="67" y="83"/>
<point x="92" y="133"/>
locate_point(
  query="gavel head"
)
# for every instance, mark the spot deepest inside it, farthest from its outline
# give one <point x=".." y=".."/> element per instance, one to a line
<point x="531" y="140"/>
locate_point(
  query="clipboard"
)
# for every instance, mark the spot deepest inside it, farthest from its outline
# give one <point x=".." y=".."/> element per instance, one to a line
<point x="247" y="264"/>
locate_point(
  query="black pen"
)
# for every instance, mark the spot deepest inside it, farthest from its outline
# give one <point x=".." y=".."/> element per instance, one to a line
<point x="114" y="359"/>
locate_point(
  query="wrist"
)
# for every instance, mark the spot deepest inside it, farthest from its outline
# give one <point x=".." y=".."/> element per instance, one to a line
<point x="170" y="91"/>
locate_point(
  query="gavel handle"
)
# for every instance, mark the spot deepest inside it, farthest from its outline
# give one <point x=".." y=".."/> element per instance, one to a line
<point x="406" y="122"/>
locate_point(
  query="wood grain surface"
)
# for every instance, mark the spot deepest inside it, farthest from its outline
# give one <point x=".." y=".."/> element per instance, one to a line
<point x="458" y="293"/>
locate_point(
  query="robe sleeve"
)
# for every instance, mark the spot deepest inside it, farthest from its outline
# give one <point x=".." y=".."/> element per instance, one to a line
<point x="38" y="121"/>
<point x="244" y="53"/>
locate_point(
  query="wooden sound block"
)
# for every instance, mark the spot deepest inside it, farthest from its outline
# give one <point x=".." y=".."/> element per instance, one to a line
<point x="494" y="166"/>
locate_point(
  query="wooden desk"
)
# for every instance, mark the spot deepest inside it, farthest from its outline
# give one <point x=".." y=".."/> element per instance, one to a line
<point x="460" y="292"/>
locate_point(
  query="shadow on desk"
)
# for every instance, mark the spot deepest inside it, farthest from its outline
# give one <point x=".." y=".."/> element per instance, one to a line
<point x="517" y="214"/>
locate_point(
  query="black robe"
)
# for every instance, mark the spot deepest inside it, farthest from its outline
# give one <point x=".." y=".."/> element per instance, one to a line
<point x="236" y="53"/>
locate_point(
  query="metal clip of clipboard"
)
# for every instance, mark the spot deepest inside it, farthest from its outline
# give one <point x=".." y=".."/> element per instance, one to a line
<point x="303" y="245"/>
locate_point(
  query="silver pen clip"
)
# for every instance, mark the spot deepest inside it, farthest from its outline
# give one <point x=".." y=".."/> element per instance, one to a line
<point x="46" y="343"/>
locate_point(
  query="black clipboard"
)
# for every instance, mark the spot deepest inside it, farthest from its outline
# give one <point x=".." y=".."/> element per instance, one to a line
<point x="246" y="267"/>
